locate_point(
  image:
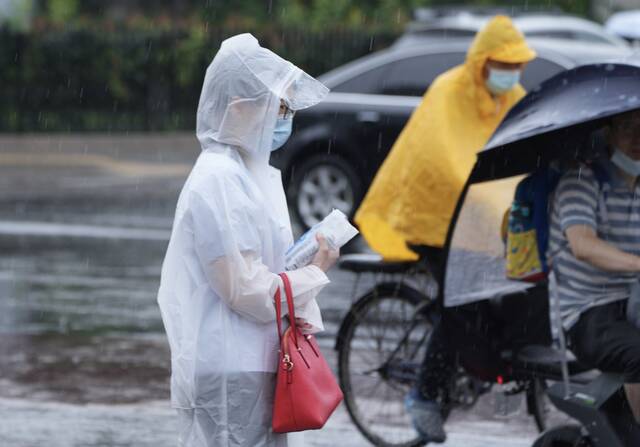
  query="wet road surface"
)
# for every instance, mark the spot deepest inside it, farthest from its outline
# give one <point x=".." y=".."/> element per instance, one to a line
<point x="84" y="222"/>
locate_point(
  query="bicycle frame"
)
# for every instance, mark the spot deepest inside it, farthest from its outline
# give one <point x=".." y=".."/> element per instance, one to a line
<point x="384" y="368"/>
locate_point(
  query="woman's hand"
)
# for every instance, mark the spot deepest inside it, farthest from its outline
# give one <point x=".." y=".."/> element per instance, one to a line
<point x="303" y="325"/>
<point x="325" y="257"/>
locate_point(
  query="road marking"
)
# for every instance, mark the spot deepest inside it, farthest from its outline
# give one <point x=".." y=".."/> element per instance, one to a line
<point x="48" y="229"/>
<point x="119" y="167"/>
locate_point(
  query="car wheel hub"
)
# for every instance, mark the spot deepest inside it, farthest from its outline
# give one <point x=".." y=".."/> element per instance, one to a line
<point x="324" y="188"/>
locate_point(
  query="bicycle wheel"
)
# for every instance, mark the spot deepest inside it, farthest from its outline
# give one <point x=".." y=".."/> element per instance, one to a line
<point x="381" y="346"/>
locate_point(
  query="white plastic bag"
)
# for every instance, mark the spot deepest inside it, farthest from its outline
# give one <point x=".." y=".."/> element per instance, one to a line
<point x="335" y="228"/>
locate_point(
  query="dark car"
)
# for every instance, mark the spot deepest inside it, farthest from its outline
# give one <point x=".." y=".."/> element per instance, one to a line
<point x="338" y="145"/>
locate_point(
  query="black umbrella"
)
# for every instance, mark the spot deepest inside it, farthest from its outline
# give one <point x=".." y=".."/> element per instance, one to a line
<point x="559" y="117"/>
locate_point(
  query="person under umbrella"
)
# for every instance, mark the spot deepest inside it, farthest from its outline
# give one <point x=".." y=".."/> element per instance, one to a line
<point x="594" y="248"/>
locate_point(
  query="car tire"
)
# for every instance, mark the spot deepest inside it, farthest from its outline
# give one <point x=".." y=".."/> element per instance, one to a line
<point x="321" y="183"/>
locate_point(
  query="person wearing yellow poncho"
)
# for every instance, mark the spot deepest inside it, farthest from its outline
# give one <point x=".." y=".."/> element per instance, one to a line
<point x="413" y="196"/>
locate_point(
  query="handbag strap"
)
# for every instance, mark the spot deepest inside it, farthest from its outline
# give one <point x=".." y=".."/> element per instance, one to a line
<point x="289" y="292"/>
<point x="278" y="304"/>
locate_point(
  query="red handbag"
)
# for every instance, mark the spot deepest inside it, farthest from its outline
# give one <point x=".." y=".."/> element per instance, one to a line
<point x="306" y="390"/>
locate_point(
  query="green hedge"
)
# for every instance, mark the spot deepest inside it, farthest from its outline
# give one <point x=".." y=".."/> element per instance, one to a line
<point x="76" y="80"/>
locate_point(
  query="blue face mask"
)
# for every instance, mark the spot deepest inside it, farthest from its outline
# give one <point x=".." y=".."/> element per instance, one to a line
<point x="501" y="81"/>
<point x="282" y="132"/>
<point x="626" y="163"/>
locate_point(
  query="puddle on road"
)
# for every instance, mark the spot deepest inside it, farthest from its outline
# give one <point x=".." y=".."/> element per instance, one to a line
<point x="70" y="285"/>
<point x="79" y="320"/>
<point x="77" y="368"/>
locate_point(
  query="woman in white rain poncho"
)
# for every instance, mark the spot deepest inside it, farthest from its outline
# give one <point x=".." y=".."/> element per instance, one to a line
<point x="228" y="243"/>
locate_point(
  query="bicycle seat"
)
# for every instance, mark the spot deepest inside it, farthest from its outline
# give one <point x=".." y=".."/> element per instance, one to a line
<point x="372" y="262"/>
<point x="547" y="360"/>
<point x="543" y="354"/>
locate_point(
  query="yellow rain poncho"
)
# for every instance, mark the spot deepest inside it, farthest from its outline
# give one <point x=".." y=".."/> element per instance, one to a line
<point x="414" y="194"/>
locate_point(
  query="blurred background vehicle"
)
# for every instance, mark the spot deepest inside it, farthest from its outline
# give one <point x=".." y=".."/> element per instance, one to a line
<point x="450" y="23"/>
<point x="625" y="24"/>
<point x="338" y="146"/>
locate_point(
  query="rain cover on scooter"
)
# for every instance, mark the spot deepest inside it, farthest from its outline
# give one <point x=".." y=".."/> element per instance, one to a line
<point x="476" y="263"/>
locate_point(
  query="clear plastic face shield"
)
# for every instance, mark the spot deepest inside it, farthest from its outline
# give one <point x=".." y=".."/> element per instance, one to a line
<point x="242" y="93"/>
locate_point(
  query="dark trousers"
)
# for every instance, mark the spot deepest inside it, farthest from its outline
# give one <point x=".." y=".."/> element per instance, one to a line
<point x="603" y="338"/>
<point x="437" y="367"/>
<point x="466" y="335"/>
<point x="438" y="364"/>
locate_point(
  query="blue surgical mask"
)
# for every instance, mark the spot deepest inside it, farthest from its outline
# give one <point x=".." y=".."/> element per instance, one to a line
<point x="626" y="163"/>
<point x="501" y="81"/>
<point x="282" y="132"/>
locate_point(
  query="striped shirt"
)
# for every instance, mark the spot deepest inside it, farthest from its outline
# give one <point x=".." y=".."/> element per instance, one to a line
<point x="612" y="209"/>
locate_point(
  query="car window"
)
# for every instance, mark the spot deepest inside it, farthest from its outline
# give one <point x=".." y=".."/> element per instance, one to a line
<point x="446" y="33"/>
<point x="412" y="76"/>
<point x="371" y="81"/>
<point x="591" y="37"/>
<point x="583" y="36"/>
<point x="537" y="71"/>
<point x="554" y="34"/>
